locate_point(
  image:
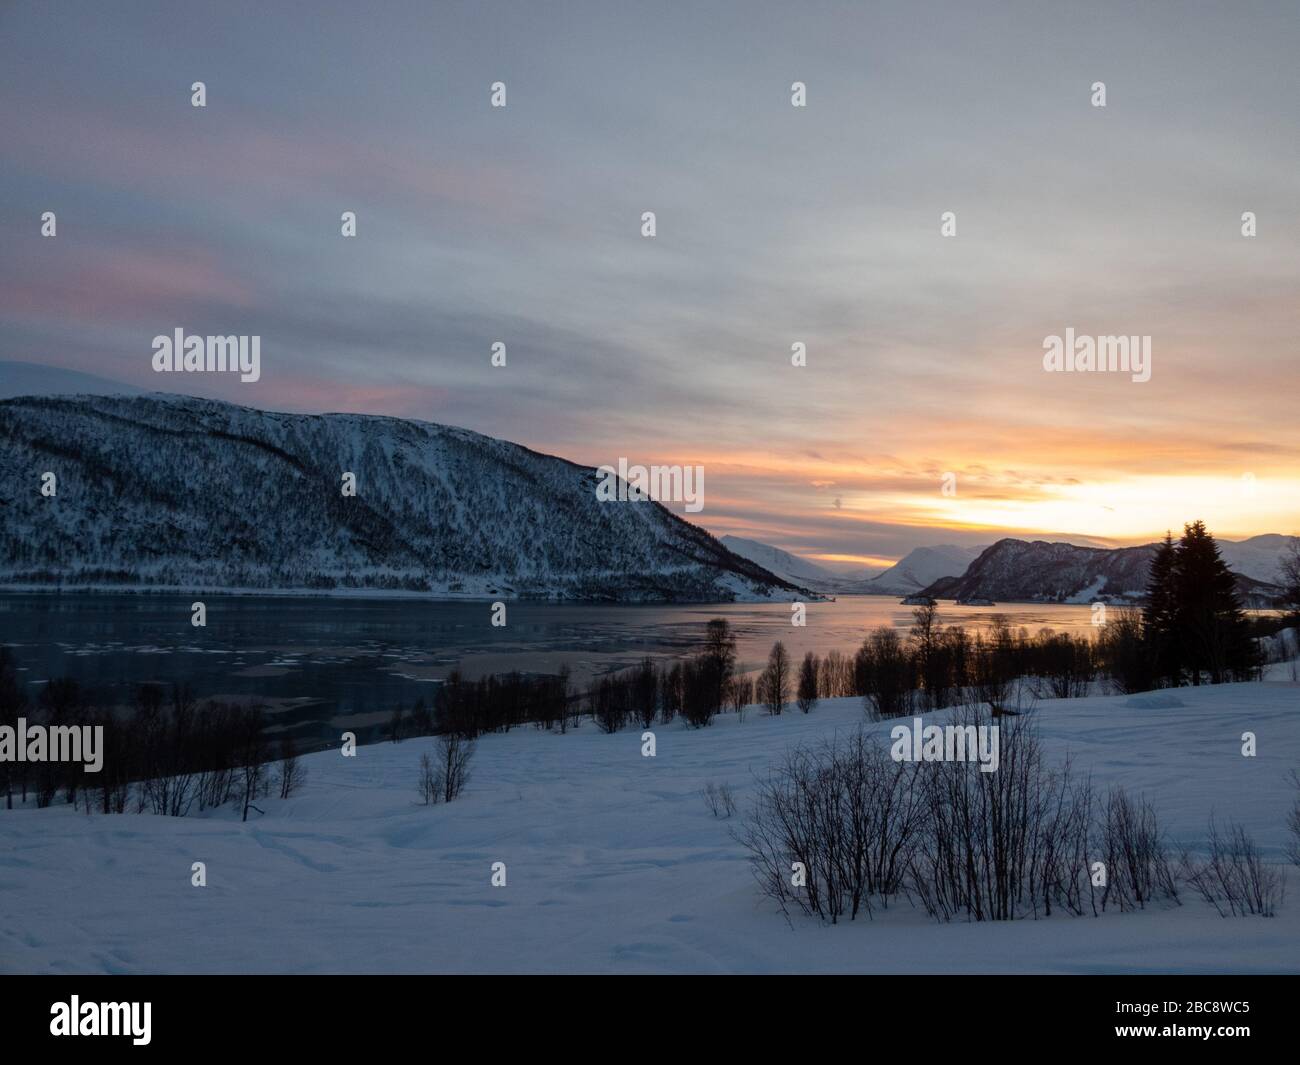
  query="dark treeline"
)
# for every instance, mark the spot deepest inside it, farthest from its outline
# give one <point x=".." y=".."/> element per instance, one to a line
<point x="170" y="754"/>
<point x="695" y="689"/>
<point x="934" y="667"/>
<point x="1192" y="630"/>
<point x="493" y="703"/>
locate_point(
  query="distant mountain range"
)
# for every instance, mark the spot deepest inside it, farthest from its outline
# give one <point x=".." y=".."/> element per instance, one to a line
<point x="921" y="567"/>
<point x="1259" y="557"/>
<point x="1014" y="570"/>
<point x="909" y="575"/>
<point x="173" y="491"/>
<point x="32" y="379"/>
<point x="1063" y="573"/>
<point x="798" y="570"/>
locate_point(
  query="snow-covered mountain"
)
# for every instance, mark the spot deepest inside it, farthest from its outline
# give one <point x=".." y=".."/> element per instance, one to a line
<point x="173" y="491"/>
<point x="32" y="379"/>
<point x="792" y="568"/>
<point x="921" y="568"/>
<point x="1057" y="572"/>
<point x="1259" y="557"/>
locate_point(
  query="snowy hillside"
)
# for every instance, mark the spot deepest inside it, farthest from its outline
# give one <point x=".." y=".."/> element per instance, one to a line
<point x="774" y="560"/>
<point x="792" y="567"/>
<point x="1259" y="557"/>
<point x="922" y="567"/>
<point x="613" y="862"/>
<point x="1057" y="572"/>
<point x="174" y="491"/>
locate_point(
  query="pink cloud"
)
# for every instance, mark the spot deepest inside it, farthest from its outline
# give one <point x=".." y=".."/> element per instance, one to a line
<point x="241" y="158"/>
<point x="125" y="285"/>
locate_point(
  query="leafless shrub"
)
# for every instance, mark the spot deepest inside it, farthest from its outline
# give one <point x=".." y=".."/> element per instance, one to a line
<point x="1006" y="844"/>
<point x="832" y="828"/>
<point x="1234" y="878"/>
<point x="720" y="799"/>
<point x="454" y="754"/>
<point x="670" y="692"/>
<point x="293" y="774"/>
<point x="1133" y="848"/>
<point x="1060" y="866"/>
<point x="166" y="742"/>
<point x="1293" y="824"/>
<point x="839" y="828"/>
<point x="252" y="755"/>
<point x="740" y="693"/>
<point x="430" y="781"/>
<point x="1019" y="842"/>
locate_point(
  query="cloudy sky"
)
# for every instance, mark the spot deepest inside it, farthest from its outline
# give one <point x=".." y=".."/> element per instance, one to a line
<point x="775" y="224"/>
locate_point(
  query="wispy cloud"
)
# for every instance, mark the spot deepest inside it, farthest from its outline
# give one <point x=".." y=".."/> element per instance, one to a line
<point x="775" y="225"/>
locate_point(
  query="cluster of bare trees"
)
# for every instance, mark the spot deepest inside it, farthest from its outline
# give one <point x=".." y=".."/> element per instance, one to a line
<point x="187" y="755"/>
<point x="498" y="703"/>
<point x="841" y="828"/>
<point x="778" y="678"/>
<point x="934" y="667"/>
<point x="638" y="695"/>
<point x="178" y="755"/>
<point x="494" y="702"/>
<point x="60" y="704"/>
<point x="696" y="688"/>
<point x="169" y="754"/>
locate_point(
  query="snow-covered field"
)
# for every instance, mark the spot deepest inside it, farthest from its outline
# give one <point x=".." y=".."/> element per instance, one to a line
<point x="613" y="862"/>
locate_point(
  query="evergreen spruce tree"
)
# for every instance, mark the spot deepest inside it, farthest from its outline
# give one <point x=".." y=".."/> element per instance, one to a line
<point x="1211" y="628"/>
<point x="1159" y="615"/>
